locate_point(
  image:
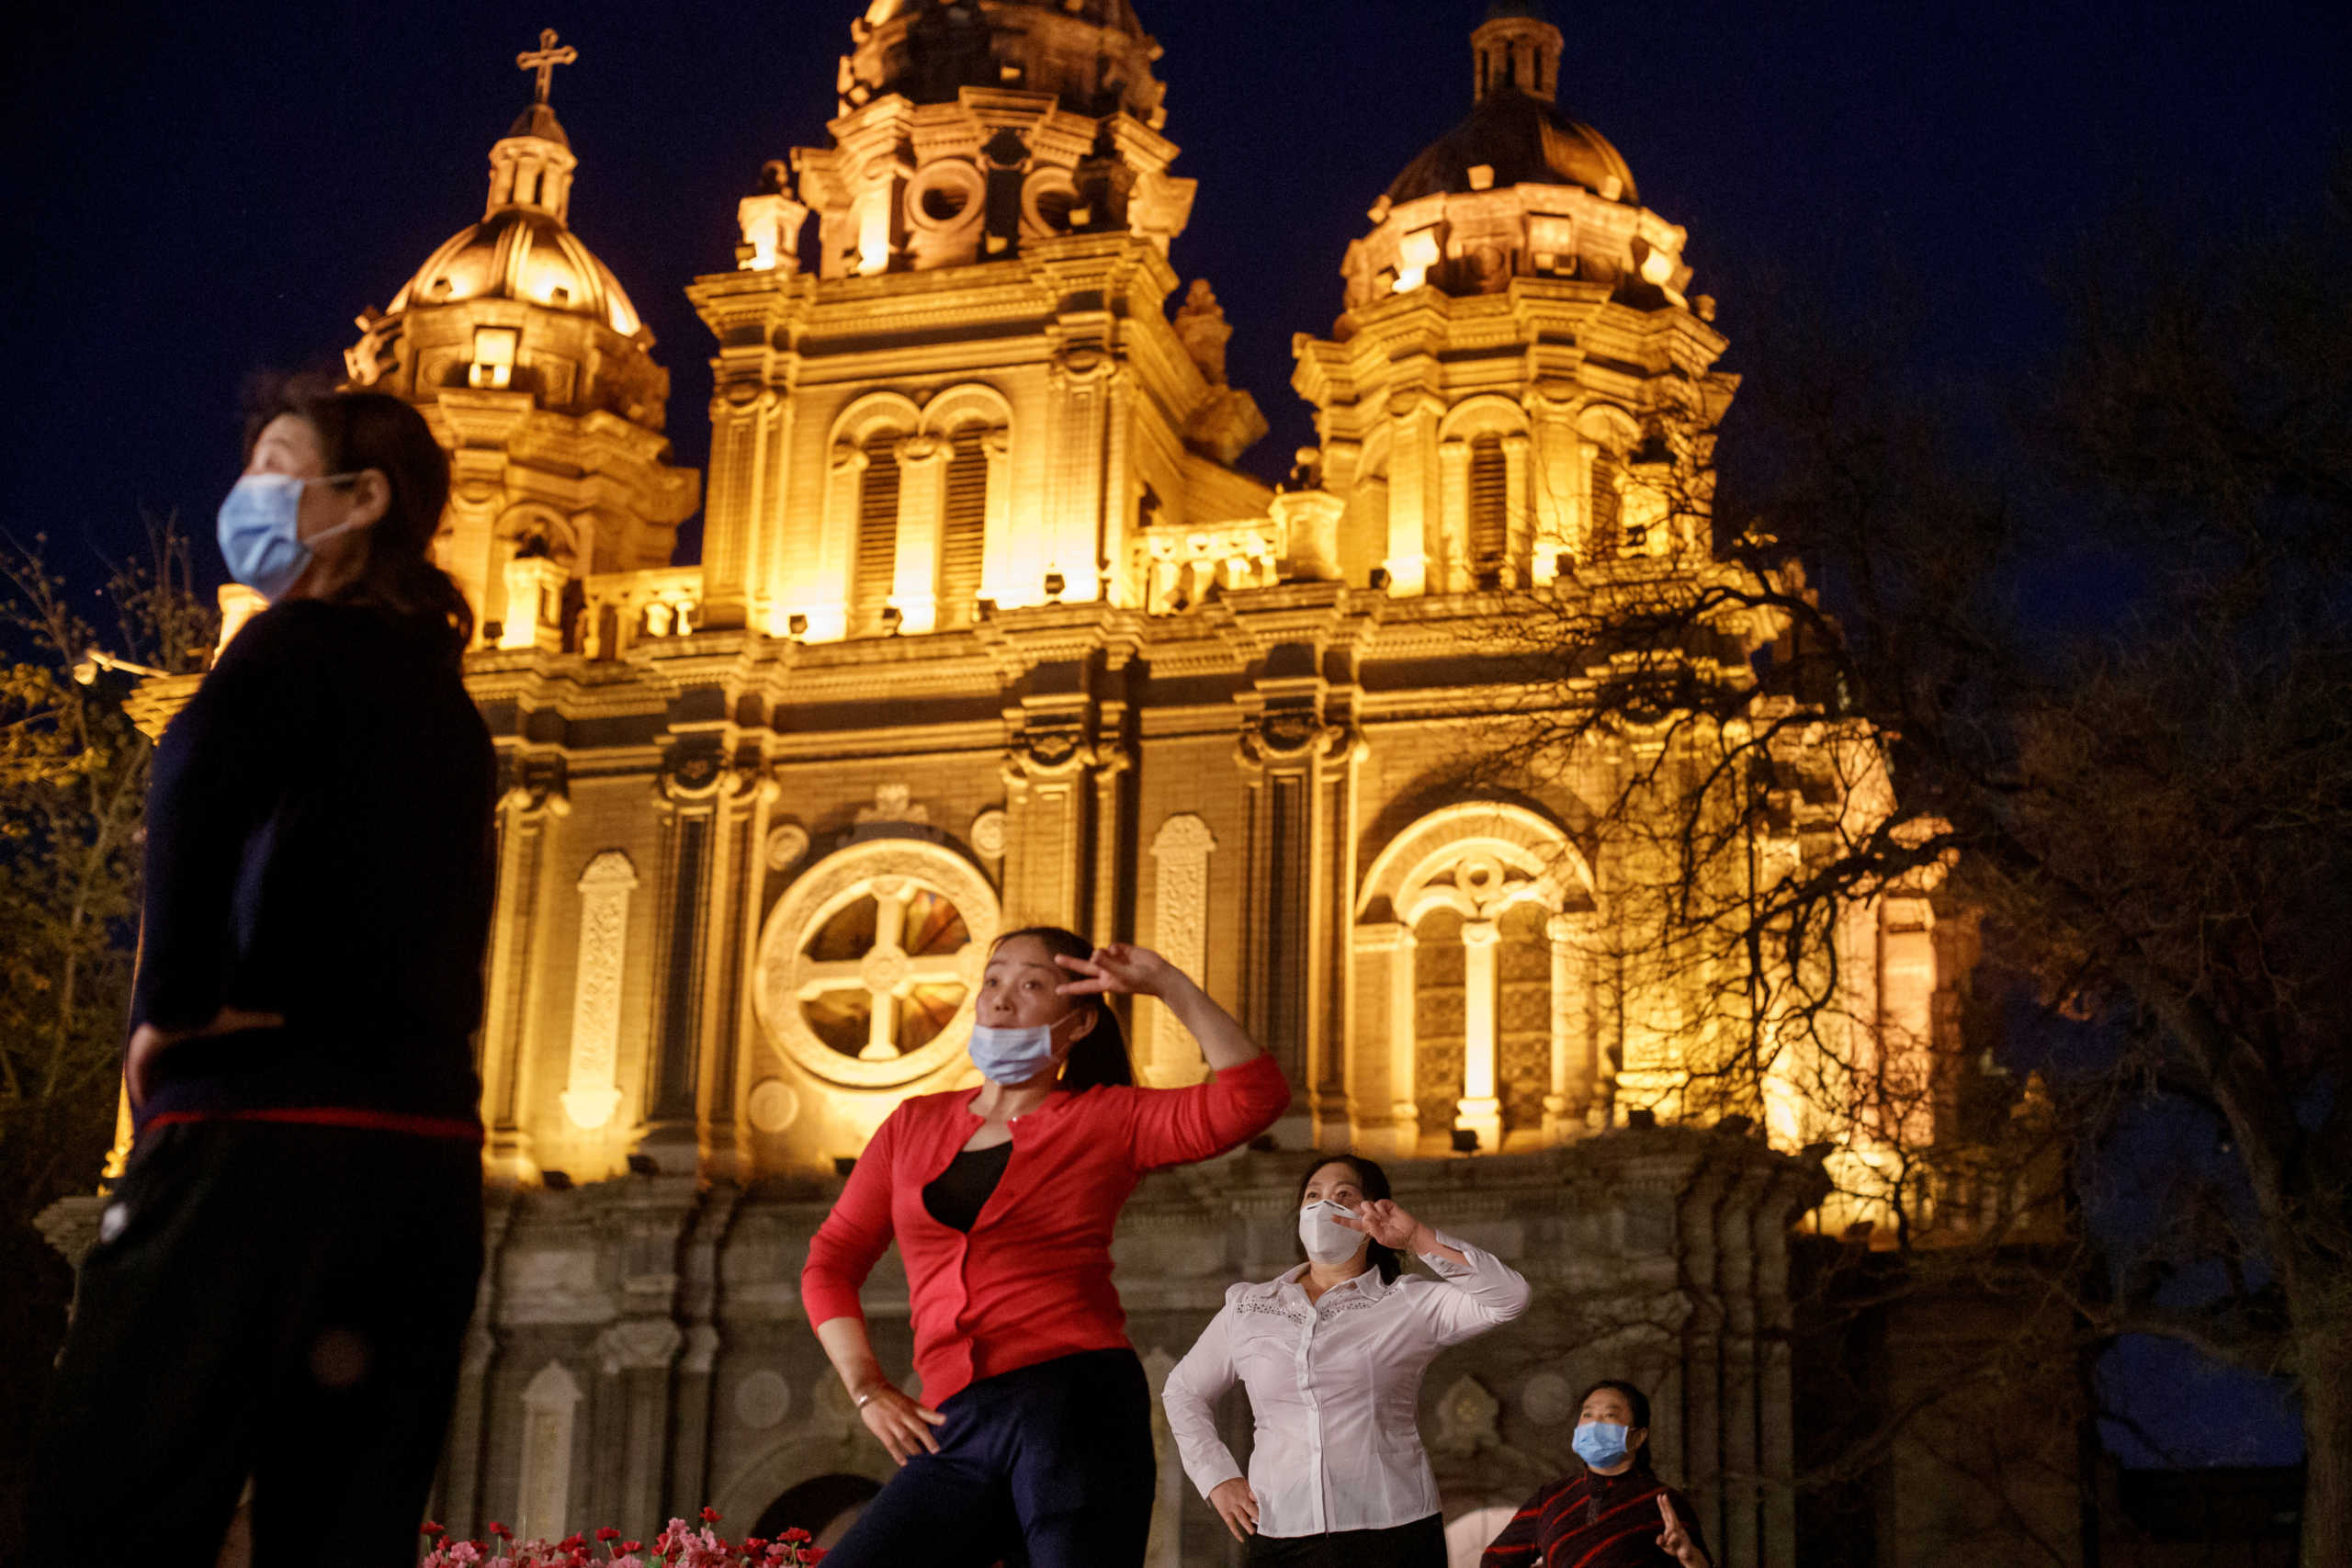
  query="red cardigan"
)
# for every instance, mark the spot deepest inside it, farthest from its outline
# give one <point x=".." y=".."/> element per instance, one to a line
<point x="1032" y="1278"/>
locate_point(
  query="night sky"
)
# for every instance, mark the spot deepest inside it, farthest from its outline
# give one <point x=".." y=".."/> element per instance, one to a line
<point x="196" y="192"/>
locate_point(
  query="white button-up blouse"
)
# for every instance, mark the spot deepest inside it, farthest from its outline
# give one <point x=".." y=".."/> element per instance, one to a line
<point x="1334" y="1388"/>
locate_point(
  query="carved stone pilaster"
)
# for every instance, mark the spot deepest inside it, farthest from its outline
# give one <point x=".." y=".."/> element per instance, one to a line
<point x="1180" y="852"/>
<point x="593" y="1091"/>
<point x="534" y="801"/>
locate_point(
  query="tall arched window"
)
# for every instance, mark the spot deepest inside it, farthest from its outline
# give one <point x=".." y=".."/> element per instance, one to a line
<point x="1489" y="508"/>
<point x="877" y="536"/>
<point x="963" y="527"/>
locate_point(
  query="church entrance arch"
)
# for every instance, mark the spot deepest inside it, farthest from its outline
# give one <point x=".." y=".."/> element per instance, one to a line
<point x="824" y="1506"/>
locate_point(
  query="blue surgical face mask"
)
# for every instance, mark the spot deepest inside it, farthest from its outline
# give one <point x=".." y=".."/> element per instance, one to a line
<point x="1013" y="1055"/>
<point x="1602" y="1444"/>
<point x="261" y="533"/>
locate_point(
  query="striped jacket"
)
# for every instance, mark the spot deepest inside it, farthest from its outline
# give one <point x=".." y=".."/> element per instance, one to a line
<point x="1592" y="1521"/>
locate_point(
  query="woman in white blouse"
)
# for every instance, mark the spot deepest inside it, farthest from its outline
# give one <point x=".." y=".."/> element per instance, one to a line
<point x="1332" y="1354"/>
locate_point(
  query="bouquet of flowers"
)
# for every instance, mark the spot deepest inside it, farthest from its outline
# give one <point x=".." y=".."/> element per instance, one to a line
<point x="680" y="1546"/>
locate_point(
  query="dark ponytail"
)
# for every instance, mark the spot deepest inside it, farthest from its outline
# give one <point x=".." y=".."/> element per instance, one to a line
<point x="1101" y="1056"/>
<point x="362" y="430"/>
<point x="1372" y="1182"/>
<point x="1639" y="1404"/>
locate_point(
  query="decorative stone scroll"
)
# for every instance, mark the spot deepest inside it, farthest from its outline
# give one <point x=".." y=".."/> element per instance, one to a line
<point x="594" y="1091"/>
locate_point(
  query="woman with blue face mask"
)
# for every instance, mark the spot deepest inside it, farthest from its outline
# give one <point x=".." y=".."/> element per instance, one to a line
<point x="1032" y="1436"/>
<point x="282" y="1277"/>
<point x="1332" y="1354"/>
<point x="1616" y="1512"/>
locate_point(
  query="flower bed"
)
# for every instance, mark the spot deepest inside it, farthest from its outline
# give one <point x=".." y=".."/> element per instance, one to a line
<point x="680" y="1546"/>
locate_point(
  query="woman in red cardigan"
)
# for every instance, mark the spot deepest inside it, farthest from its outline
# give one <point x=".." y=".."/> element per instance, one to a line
<point x="1036" y="1433"/>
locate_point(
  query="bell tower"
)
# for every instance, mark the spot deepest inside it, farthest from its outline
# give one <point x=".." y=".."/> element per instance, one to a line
<point x="1519" y="386"/>
<point x="524" y="354"/>
<point x="961" y="393"/>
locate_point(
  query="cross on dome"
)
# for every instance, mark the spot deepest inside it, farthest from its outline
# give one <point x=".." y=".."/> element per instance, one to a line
<point x="544" y="59"/>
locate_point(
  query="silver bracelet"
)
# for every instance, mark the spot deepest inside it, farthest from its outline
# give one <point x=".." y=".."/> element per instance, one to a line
<point x="862" y="1399"/>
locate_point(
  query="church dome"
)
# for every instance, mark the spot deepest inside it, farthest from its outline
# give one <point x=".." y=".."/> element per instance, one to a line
<point x="525" y="253"/>
<point x="1093" y="56"/>
<point x="1516" y="140"/>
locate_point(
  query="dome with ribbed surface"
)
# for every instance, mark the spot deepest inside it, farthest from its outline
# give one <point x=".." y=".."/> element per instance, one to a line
<point x="1523" y="140"/>
<point x="519" y="252"/>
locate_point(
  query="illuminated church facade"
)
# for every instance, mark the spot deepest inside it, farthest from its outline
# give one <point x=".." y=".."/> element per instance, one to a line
<point x="989" y="629"/>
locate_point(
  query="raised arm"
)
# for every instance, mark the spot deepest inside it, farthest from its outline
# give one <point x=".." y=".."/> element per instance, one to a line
<point x="1485" y="1291"/>
<point x="841" y="1255"/>
<point x="1174" y="1126"/>
<point x="1193" y="1387"/>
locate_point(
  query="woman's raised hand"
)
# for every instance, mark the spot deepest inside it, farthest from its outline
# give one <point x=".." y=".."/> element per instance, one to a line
<point x="1675" y="1539"/>
<point x="1238" y="1506"/>
<point x="903" y="1425"/>
<point x="1386" y="1223"/>
<point x="1121" y="968"/>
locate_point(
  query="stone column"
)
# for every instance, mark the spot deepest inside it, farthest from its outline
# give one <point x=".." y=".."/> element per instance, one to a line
<point x="690" y="1480"/>
<point x="1518" y="531"/>
<point x="637" y="1354"/>
<point x="1450" y="550"/>
<point x="1277" y="755"/>
<point x="1702" y="1218"/>
<point x="1480" y="1109"/>
<point x="1413" y="500"/>
<point x="739" y="826"/>
<point x="825" y="606"/>
<point x="1573" y="1068"/>
<point x="1384" y="1117"/>
<point x="689" y="789"/>
<point x="463" y="1457"/>
<point x="1738" y="1270"/>
<point x="524" y="815"/>
<point x="1047" y="799"/>
<point x="922" y="509"/>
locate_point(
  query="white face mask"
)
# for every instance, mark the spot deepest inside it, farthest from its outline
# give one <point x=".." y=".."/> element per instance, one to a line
<point x="1327" y="1241"/>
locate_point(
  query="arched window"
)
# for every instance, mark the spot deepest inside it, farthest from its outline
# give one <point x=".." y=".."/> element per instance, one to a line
<point x="963" y="527"/>
<point x="876" y="563"/>
<point x="1489" y="508"/>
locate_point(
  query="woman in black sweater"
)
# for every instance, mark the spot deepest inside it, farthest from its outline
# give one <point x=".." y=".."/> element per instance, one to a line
<point x="283" y="1276"/>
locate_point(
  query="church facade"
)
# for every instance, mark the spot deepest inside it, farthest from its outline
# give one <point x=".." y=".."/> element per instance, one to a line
<point x="989" y="630"/>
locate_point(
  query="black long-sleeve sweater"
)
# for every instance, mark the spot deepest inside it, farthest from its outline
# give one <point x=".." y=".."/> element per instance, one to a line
<point x="319" y="847"/>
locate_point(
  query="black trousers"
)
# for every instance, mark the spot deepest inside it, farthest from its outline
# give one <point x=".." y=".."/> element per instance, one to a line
<point x="1420" y="1544"/>
<point x="1050" y="1465"/>
<point x="283" y="1302"/>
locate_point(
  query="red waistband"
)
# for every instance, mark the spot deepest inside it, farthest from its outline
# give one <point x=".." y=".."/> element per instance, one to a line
<point x="336" y="1116"/>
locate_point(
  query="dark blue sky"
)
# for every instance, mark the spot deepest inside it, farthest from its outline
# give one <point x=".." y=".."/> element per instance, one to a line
<point x="199" y="191"/>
